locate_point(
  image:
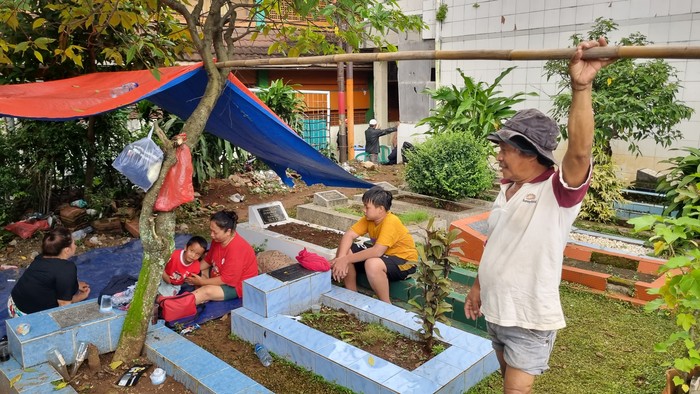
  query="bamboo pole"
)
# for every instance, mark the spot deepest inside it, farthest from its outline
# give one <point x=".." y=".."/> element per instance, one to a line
<point x="634" y="52"/>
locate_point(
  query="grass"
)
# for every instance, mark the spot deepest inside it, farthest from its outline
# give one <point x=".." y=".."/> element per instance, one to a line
<point x="407" y="218"/>
<point x="607" y="347"/>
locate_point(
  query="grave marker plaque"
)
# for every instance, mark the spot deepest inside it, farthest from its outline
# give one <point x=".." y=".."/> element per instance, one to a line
<point x="263" y="215"/>
<point x="271" y="214"/>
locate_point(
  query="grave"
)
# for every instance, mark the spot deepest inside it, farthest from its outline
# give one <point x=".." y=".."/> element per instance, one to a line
<point x="267" y="317"/>
<point x="329" y="199"/>
<point x="473" y="233"/>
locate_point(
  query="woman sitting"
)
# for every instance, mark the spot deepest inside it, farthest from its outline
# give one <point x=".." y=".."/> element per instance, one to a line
<point x="229" y="261"/>
<point x="50" y="280"/>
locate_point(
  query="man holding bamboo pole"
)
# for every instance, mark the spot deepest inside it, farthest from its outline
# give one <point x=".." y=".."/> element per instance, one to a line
<point x="517" y="287"/>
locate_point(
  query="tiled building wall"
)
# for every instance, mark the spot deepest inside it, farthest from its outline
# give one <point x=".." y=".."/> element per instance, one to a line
<point x="543" y="24"/>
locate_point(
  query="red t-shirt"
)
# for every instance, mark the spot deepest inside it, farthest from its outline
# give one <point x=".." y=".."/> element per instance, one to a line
<point x="177" y="270"/>
<point x="234" y="263"/>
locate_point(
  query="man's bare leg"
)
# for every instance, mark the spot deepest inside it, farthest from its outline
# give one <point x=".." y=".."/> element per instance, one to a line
<point x="350" y="279"/>
<point x="376" y="275"/>
<point x="517" y="381"/>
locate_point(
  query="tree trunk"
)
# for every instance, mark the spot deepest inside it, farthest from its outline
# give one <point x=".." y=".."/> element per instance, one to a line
<point x="158" y="231"/>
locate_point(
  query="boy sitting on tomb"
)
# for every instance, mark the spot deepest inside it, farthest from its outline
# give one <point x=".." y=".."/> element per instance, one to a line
<point x="182" y="264"/>
<point x="392" y="256"/>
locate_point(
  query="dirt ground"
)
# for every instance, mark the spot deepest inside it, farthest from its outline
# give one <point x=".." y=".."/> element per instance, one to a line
<point x="194" y="219"/>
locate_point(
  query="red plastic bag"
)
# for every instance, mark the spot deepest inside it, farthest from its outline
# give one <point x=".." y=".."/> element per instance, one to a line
<point x="26" y="229"/>
<point x="312" y="261"/>
<point x="177" y="187"/>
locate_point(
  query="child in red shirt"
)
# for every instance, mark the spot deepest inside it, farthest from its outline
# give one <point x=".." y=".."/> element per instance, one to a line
<point x="182" y="264"/>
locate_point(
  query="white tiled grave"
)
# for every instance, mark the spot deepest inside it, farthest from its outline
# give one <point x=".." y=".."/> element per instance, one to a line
<point x="266" y="315"/>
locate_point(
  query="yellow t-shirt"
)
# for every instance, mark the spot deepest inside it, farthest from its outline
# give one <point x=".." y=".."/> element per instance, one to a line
<point x="391" y="233"/>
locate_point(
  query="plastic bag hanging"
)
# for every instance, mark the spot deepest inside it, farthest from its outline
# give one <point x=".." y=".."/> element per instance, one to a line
<point x="140" y="162"/>
<point x="177" y="187"/>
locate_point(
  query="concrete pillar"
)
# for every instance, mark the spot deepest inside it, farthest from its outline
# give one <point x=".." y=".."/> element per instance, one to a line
<point x="381" y="96"/>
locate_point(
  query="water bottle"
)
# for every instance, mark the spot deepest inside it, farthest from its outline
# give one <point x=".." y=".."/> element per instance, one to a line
<point x="263" y="354"/>
<point x="127" y="87"/>
<point x="124" y="297"/>
<point x="80" y="234"/>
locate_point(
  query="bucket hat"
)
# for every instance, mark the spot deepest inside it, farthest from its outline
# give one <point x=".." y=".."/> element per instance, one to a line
<point x="537" y="129"/>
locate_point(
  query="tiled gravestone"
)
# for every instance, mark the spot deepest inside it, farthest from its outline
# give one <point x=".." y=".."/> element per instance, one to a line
<point x="388" y="187"/>
<point x="331" y="198"/>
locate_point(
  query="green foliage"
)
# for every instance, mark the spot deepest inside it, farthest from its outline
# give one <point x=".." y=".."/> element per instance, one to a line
<point x="632" y="100"/>
<point x="681" y="185"/>
<point x="476" y="108"/>
<point x="51" y="40"/>
<point x="261" y="247"/>
<point x="436" y="258"/>
<point x="39" y="161"/>
<point x="449" y="166"/>
<point x="676" y="238"/>
<point x="441" y="13"/>
<point x="354" y="22"/>
<point x="286" y="102"/>
<point x="604" y="191"/>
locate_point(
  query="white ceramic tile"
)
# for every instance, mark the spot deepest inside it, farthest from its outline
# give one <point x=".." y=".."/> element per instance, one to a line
<point x="584" y="14"/>
<point x="602" y="10"/>
<point x="679" y="7"/>
<point x="522" y="21"/>
<point x="639" y="8"/>
<point x="620" y="10"/>
<point x="536" y="5"/>
<point x="567" y="16"/>
<point x="522" y="7"/>
<point x="659" y="8"/>
<point x="552" y="4"/>
<point x="680" y="32"/>
<point x="508" y="7"/>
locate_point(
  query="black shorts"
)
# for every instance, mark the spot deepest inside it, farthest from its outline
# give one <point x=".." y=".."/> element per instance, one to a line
<point x="392" y="263"/>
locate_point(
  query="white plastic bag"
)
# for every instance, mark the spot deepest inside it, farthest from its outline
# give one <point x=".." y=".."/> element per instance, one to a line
<point x="140" y="162"/>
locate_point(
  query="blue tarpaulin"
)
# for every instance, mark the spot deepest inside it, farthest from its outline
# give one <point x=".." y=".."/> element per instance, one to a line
<point x="239" y="116"/>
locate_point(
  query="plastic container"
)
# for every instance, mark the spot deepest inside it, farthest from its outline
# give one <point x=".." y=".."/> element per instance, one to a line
<point x="79" y="357"/>
<point x="263" y="354"/>
<point x="80" y="234"/>
<point x="55" y="358"/>
<point x="127" y="87"/>
<point x="158" y="376"/>
<point x="106" y="303"/>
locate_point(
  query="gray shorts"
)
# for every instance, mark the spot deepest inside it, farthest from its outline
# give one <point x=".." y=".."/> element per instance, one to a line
<point x="524" y="349"/>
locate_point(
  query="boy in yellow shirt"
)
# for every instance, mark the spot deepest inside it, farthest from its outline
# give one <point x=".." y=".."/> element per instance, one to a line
<point x="392" y="256"/>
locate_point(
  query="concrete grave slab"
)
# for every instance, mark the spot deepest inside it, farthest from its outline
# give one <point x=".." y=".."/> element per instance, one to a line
<point x="330" y="198"/>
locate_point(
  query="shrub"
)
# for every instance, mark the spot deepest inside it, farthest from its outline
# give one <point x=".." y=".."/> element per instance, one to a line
<point x="605" y="190"/>
<point x="681" y="184"/>
<point x="449" y="166"/>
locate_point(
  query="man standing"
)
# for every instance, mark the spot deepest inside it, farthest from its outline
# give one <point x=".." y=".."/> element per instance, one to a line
<point x="372" y="135"/>
<point x="517" y="287"/>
